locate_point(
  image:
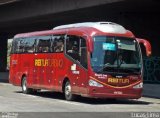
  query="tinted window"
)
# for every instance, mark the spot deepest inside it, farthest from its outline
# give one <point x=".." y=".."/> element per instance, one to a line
<point x="120" y="54"/>
<point x="29" y="45"/>
<point x="72" y="47"/>
<point x="14" y="45"/>
<point x="44" y="44"/>
<point x="76" y="48"/>
<point x="57" y="43"/>
<point x="18" y="45"/>
<point x="83" y="52"/>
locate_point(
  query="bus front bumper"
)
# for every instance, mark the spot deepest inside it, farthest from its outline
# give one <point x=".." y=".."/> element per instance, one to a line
<point x="127" y="93"/>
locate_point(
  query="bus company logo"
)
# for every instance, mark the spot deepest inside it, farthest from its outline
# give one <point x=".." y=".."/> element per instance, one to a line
<point x="118" y="80"/>
<point x="48" y="62"/>
<point x="73" y="69"/>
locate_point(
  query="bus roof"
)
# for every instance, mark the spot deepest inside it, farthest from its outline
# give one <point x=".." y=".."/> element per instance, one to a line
<point x="87" y="27"/>
<point x="108" y="27"/>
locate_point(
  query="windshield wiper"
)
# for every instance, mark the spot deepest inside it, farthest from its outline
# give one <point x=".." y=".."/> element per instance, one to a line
<point x="119" y="63"/>
<point x="104" y="66"/>
<point x="131" y="70"/>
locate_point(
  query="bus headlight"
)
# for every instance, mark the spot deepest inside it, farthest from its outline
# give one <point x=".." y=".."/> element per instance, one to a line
<point x="140" y="85"/>
<point x="94" y="83"/>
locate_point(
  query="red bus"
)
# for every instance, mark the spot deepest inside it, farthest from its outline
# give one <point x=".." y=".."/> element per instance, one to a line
<point x="92" y="59"/>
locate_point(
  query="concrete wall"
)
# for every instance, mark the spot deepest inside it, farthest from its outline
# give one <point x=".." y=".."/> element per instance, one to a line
<point x="34" y="8"/>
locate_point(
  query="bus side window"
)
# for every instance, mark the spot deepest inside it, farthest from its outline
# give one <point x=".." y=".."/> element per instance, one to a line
<point x="76" y="48"/>
<point x="18" y="45"/>
<point x="83" y="53"/>
<point x="72" y="47"/>
<point x="14" y="46"/>
<point x="29" y="45"/>
<point x="57" y="43"/>
<point x="44" y="44"/>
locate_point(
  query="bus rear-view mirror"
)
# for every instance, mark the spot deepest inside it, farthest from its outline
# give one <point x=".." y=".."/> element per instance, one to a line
<point x="146" y="44"/>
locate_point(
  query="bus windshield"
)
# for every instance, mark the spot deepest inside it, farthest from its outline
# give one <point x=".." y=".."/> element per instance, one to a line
<point x="115" y="54"/>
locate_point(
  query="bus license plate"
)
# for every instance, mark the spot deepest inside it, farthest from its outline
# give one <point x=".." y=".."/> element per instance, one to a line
<point x="118" y="92"/>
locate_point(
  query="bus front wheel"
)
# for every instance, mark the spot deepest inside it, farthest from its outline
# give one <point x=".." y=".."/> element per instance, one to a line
<point x="25" y="89"/>
<point x="67" y="91"/>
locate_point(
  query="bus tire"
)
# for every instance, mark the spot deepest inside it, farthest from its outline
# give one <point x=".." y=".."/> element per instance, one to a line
<point x="67" y="92"/>
<point x="25" y="89"/>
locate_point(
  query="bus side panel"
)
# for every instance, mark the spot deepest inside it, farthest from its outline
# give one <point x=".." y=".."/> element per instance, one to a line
<point x="83" y="81"/>
<point x="12" y="70"/>
<point x="72" y="75"/>
<point x="63" y="70"/>
<point x="75" y="73"/>
<point x="61" y="67"/>
<point x="50" y="71"/>
<point x="15" y="67"/>
<point x="45" y="72"/>
<point x="27" y="69"/>
<point x="38" y="77"/>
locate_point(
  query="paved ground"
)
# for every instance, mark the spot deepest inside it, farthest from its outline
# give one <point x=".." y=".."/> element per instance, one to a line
<point x="48" y="104"/>
<point x="12" y="100"/>
<point x="15" y="104"/>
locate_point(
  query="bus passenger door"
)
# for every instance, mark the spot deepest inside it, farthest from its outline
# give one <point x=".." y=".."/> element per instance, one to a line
<point x="83" y="80"/>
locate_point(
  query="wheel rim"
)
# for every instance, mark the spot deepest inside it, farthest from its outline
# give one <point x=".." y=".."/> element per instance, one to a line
<point x="24" y="85"/>
<point x="68" y="90"/>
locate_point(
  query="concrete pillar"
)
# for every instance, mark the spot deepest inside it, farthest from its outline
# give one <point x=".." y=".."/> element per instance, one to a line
<point x="3" y="52"/>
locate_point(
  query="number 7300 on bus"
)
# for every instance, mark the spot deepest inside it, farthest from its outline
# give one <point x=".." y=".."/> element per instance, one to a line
<point x="91" y="59"/>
